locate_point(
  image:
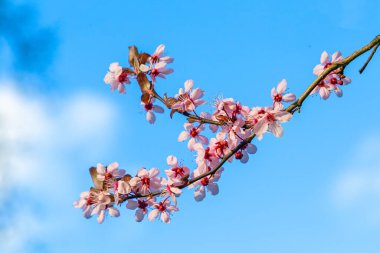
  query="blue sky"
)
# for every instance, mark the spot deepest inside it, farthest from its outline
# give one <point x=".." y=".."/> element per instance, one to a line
<point x="317" y="189"/>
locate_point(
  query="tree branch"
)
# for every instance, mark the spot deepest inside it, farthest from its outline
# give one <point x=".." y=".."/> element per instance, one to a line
<point x="296" y="106"/>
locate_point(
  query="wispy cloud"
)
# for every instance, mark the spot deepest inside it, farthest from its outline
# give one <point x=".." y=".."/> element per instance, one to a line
<point x="37" y="136"/>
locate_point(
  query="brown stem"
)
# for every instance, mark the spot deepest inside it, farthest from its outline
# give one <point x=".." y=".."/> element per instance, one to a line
<point x="291" y="109"/>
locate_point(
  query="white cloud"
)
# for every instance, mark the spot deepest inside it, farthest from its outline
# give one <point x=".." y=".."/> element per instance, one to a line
<point x="357" y="187"/>
<point x="36" y="135"/>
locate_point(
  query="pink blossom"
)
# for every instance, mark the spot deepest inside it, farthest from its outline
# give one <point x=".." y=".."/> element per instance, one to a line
<point x="242" y="154"/>
<point x="96" y="202"/>
<point x="156" y="70"/>
<point x="177" y="172"/>
<point x="117" y="77"/>
<point x="325" y="63"/>
<point x="112" y="171"/>
<point x="207" y="183"/>
<point x="157" y="56"/>
<point x="268" y="119"/>
<point x="141" y="205"/>
<point x="278" y="96"/>
<point x="171" y="189"/>
<point x="85" y="203"/>
<point x="194" y="133"/>
<point x="219" y="145"/>
<point x="163" y="209"/>
<point x="205" y="157"/>
<point x="189" y="98"/>
<point x="150" y="109"/>
<point x="146" y="181"/>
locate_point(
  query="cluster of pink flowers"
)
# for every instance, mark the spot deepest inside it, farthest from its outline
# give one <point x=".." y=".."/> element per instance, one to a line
<point x="230" y="125"/>
<point x="333" y="80"/>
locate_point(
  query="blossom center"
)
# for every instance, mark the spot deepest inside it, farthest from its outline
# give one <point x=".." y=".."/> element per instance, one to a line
<point x="142" y="204"/>
<point x="145" y="181"/>
<point x="278" y="98"/>
<point x="178" y="171"/>
<point x="205" y="181"/>
<point x="123" y="77"/>
<point x="148" y="107"/>
<point x="193" y="132"/>
<point x="154" y="59"/>
<point x="239" y="155"/>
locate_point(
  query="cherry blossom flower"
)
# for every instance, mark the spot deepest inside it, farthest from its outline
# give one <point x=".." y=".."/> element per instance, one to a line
<point x="171" y="189"/>
<point x="205" y="157"/>
<point x="121" y="187"/>
<point x="268" y="119"/>
<point x="141" y="205"/>
<point x="325" y="63"/>
<point x="219" y="145"/>
<point x="156" y="70"/>
<point x="157" y="56"/>
<point x="189" y="98"/>
<point x="278" y="96"/>
<point x="163" y="209"/>
<point x="111" y="172"/>
<point x="96" y="202"/>
<point x="176" y="173"/>
<point x="117" y="77"/>
<point x="242" y="154"/>
<point x="146" y="181"/>
<point x="194" y="133"/>
<point x="207" y="183"/>
<point x="85" y="203"/>
<point x="150" y="109"/>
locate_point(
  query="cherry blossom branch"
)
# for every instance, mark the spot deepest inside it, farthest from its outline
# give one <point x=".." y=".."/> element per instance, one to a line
<point x="236" y="126"/>
<point x="341" y="64"/>
<point x="296" y="106"/>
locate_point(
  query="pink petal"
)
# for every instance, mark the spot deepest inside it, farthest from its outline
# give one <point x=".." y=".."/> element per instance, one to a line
<point x="159" y="50"/>
<point x="183" y="136"/>
<point x="281" y="87"/>
<point x="213" y="188"/>
<point x="196" y="94"/>
<point x="158" y="109"/>
<point x="252" y="149"/>
<point x="190" y="144"/>
<point x="245" y="158"/>
<point x="153" y="172"/>
<point x="153" y="214"/>
<point x="290" y="97"/>
<point x="277" y="129"/>
<point x="337" y="56"/>
<point x="172" y="161"/>
<point x="166" y="71"/>
<point x="113" y="212"/>
<point x="132" y="204"/>
<point x="165" y="217"/>
<point x="139" y="215"/>
<point x="150" y="117"/>
<point x="324" y="57"/>
<point x="188" y="85"/>
<point x="167" y="59"/>
<point x="144" y="68"/>
<point x="101" y="217"/>
<point x="199" y="194"/>
<point x="203" y="139"/>
<point x="324" y="93"/>
<point x="283" y="116"/>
